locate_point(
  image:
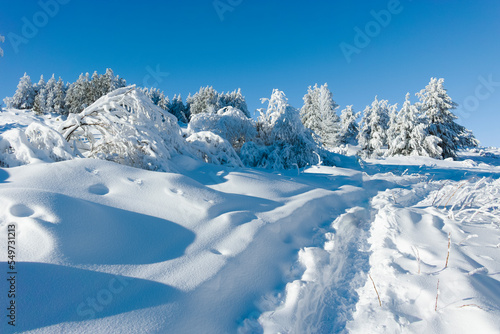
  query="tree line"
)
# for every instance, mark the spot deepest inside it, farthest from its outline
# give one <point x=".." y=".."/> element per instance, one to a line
<point x="425" y="128"/>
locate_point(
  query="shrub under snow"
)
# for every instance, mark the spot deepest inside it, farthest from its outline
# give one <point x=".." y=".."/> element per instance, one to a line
<point x="124" y="126"/>
<point x="214" y="149"/>
<point x="229" y="123"/>
<point x="36" y="143"/>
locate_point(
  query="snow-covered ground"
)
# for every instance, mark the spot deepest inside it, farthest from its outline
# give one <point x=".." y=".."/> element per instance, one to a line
<point x="106" y="248"/>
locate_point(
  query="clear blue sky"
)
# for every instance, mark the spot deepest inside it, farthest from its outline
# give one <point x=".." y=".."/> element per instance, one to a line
<point x="260" y="45"/>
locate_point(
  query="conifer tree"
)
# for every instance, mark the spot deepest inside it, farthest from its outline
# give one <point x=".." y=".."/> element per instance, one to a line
<point x="437" y="106"/>
<point x="372" y="135"/>
<point x="39" y="105"/>
<point x="24" y="97"/>
<point x="349" y="127"/>
<point x="319" y="115"/>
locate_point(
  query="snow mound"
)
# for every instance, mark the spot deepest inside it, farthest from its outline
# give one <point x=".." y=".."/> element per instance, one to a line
<point x="36" y="143"/>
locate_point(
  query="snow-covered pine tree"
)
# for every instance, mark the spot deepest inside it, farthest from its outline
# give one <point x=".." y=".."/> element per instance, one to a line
<point x="408" y="135"/>
<point x="205" y="100"/>
<point x="349" y="127"/>
<point x="40" y="104"/>
<point x="330" y="126"/>
<point x="50" y="88"/>
<point x="437" y="106"/>
<point x="79" y="94"/>
<point x="177" y="108"/>
<point x="283" y="142"/>
<point x="233" y="99"/>
<point x="24" y="97"/>
<point x="310" y="111"/>
<point x="391" y="125"/>
<point x="319" y="115"/>
<point x="59" y="97"/>
<point x="372" y="135"/>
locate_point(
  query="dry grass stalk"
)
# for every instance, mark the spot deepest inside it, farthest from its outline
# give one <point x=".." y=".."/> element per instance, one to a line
<point x="448" y="255"/>
<point x="379" y="302"/>
<point x="437" y="296"/>
<point x="473" y="305"/>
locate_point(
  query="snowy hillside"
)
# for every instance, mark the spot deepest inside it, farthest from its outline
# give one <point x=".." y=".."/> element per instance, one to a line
<point x="106" y="248"/>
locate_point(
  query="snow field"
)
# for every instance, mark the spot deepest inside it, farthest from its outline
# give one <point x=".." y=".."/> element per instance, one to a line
<point x="106" y="248"/>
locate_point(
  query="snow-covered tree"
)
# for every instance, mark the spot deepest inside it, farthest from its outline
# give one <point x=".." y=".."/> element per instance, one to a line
<point x="234" y="99"/>
<point x="408" y="134"/>
<point x="40" y="104"/>
<point x="349" y="127"/>
<point x="437" y="106"/>
<point x="229" y="123"/>
<point x="24" y="98"/>
<point x="319" y="115"/>
<point x="79" y="94"/>
<point x="126" y="127"/>
<point x="157" y="97"/>
<point x="59" y="97"/>
<point x="372" y="135"/>
<point x="283" y="142"/>
<point x="50" y="88"/>
<point x="207" y="99"/>
<point x="177" y="108"/>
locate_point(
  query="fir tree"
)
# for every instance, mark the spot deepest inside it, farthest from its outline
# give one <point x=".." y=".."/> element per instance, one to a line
<point x="319" y="115"/>
<point x="59" y="97"/>
<point x="50" y="88"/>
<point x="24" y="97"/>
<point x="39" y="106"/>
<point x="349" y="127"/>
<point x="437" y="106"/>
<point x="372" y="135"/>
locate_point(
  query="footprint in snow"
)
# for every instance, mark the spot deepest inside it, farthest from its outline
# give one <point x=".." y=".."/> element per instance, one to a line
<point x="92" y="170"/>
<point x="99" y="189"/>
<point x="136" y="181"/>
<point x="21" y="210"/>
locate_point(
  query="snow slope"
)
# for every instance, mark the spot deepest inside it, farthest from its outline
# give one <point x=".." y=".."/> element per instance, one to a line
<point x="106" y="248"/>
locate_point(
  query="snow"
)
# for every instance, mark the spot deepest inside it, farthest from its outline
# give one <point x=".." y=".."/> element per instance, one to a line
<point x="205" y="248"/>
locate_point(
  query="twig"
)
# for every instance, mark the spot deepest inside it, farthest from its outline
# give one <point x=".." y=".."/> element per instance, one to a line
<point x="448" y="255"/>
<point x="437" y="296"/>
<point x="379" y="302"/>
<point x="475" y="305"/>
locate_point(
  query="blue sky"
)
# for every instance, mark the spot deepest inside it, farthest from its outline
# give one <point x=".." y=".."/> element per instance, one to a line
<point x="260" y="45"/>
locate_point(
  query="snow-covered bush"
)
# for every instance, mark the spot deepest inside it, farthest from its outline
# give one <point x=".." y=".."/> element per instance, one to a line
<point x="229" y="123"/>
<point x="124" y="126"/>
<point x="36" y="143"/>
<point x="214" y="149"/>
<point x="282" y="141"/>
